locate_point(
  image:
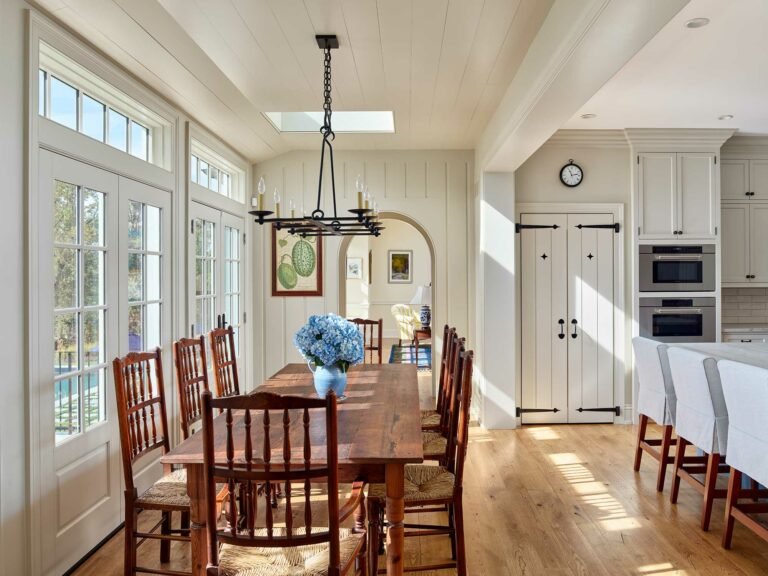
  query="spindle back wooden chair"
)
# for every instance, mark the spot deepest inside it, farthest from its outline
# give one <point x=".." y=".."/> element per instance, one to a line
<point x="433" y="488"/>
<point x="431" y="419"/>
<point x="284" y="457"/>
<point x="437" y="444"/>
<point x="369" y="328"/>
<point x="224" y="357"/>
<point x="191" y="380"/>
<point x="143" y="424"/>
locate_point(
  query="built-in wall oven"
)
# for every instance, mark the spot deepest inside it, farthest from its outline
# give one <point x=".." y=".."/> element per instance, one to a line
<point x="678" y="319"/>
<point x="677" y="268"/>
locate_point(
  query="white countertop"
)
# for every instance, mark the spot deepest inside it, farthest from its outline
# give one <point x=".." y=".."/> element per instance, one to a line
<point x="745" y="328"/>
<point x="755" y="354"/>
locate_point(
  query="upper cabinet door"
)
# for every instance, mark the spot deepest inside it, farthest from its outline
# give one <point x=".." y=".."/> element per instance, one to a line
<point x="697" y="194"/>
<point x="657" y="200"/>
<point x="735" y="244"/>
<point x="758" y="240"/>
<point x="758" y="179"/>
<point x="734" y="180"/>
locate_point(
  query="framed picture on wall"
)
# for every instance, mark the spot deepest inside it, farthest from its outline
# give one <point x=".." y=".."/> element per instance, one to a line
<point x="297" y="264"/>
<point x="400" y="266"/>
<point x="354" y="268"/>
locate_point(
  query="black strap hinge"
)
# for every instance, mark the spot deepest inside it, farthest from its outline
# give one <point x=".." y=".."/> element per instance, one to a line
<point x="616" y="227"/>
<point x="519" y="227"/>
<point x="616" y="410"/>
<point x="520" y="411"/>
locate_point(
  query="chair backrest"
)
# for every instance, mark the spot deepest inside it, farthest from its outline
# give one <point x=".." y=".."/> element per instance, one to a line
<point x="235" y="458"/>
<point x="191" y="380"/>
<point x="370" y="345"/>
<point x="656" y="394"/>
<point x="141" y="415"/>
<point x="447" y="340"/>
<point x="406" y="319"/>
<point x="745" y="389"/>
<point x="225" y="362"/>
<point x="452" y="384"/>
<point x="458" y="456"/>
<point x="701" y="416"/>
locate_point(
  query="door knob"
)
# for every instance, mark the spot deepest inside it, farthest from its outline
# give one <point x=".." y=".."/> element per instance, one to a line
<point x="575" y="323"/>
<point x="562" y="328"/>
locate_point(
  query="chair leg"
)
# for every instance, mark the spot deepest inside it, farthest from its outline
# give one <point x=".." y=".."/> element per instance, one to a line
<point x="185" y="520"/>
<point x="452" y="526"/>
<point x="679" y="456"/>
<point x="373" y="536"/>
<point x="130" y="540"/>
<point x="734" y="485"/>
<point x="640" y="438"/>
<point x="713" y="463"/>
<point x="754" y="485"/>
<point x="461" y="557"/>
<point x="666" y="442"/>
<point x="165" y="545"/>
<point x="360" y="513"/>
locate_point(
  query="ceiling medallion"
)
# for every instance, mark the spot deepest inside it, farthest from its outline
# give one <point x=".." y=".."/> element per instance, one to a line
<point x="365" y="219"/>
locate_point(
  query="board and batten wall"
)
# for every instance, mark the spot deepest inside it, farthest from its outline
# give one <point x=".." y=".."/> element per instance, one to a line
<point x="605" y="158"/>
<point x="434" y="188"/>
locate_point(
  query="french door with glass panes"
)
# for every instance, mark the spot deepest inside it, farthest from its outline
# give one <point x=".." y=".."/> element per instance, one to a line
<point x="87" y="275"/>
<point x="216" y="251"/>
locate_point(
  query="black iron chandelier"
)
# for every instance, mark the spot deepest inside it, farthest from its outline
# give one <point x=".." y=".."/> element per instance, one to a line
<point x="365" y="219"/>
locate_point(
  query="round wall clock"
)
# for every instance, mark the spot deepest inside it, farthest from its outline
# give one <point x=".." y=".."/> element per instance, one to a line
<point x="571" y="174"/>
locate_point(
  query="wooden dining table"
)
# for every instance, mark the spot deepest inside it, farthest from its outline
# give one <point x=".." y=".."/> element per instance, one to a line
<point x="379" y="432"/>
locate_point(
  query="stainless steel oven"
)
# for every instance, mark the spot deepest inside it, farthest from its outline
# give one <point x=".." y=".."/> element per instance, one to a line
<point x="678" y="319"/>
<point x="677" y="268"/>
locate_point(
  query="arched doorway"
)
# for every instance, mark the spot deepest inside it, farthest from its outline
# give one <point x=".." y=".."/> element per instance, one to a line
<point x="377" y="293"/>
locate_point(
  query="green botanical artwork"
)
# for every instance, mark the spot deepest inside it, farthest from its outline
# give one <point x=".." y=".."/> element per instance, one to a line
<point x="296" y="265"/>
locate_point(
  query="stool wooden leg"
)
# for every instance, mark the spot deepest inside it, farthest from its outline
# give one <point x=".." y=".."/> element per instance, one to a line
<point x="640" y="438"/>
<point x="713" y="463"/>
<point x="666" y="442"/>
<point x="734" y="485"/>
<point x="679" y="456"/>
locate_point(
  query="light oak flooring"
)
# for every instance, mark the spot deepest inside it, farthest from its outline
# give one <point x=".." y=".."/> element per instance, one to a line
<point x="550" y="501"/>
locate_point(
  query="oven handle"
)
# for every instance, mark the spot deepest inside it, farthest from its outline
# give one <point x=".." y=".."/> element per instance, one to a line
<point x="680" y="257"/>
<point x="697" y="311"/>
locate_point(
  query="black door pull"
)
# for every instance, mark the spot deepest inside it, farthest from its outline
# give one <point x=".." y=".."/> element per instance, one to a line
<point x="562" y="328"/>
<point x="575" y="323"/>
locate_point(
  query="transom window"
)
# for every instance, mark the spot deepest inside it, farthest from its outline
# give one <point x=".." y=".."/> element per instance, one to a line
<point x="76" y="109"/>
<point x="79" y="255"/>
<point x="209" y="175"/>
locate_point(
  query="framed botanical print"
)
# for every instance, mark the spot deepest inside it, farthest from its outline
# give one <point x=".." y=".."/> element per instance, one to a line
<point x="400" y="271"/>
<point x="297" y="264"/>
<point x="354" y="268"/>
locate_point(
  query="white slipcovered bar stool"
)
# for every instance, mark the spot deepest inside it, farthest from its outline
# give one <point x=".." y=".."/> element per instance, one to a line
<point x="745" y="389"/>
<point x="656" y="401"/>
<point x="701" y="419"/>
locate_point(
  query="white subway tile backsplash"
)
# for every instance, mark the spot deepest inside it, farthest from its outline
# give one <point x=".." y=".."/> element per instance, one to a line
<point x="745" y="305"/>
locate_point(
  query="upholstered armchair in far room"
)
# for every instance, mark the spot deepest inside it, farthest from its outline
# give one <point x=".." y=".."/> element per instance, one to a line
<point x="407" y="320"/>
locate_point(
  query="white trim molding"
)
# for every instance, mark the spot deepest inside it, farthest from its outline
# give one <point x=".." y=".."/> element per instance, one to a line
<point x="589" y="139"/>
<point x="677" y="140"/>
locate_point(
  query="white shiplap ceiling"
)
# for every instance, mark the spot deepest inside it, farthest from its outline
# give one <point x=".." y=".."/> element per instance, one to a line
<point x="687" y="78"/>
<point x="442" y="66"/>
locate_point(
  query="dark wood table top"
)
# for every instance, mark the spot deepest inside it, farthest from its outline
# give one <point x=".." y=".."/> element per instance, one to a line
<point x="378" y="423"/>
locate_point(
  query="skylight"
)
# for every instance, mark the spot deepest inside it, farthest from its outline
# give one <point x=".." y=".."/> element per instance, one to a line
<point x="343" y="121"/>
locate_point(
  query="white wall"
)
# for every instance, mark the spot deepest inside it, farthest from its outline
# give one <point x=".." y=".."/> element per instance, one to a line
<point x="431" y="187"/>
<point x="13" y="432"/>
<point x="358" y="290"/>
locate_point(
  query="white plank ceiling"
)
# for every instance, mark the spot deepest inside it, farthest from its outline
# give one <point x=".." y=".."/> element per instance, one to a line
<point x="442" y="66"/>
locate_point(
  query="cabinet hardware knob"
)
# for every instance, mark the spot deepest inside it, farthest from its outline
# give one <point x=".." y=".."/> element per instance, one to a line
<point x="575" y="323"/>
<point x="562" y="328"/>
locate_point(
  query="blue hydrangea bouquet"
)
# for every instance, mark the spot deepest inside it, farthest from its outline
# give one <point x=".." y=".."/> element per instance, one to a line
<point x="332" y="344"/>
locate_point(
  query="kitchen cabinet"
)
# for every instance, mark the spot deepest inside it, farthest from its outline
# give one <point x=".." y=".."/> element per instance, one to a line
<point x="760" y="338"/>
<point x="677" y="195"/>
<point x="744" y="180"/>
<point x="744" y="243"/>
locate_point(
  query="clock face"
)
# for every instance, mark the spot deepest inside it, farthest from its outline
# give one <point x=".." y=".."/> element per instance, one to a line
<point x="571" y="175"/>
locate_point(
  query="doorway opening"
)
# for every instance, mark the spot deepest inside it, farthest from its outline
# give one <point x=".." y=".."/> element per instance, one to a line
<point x="380" y="278"/>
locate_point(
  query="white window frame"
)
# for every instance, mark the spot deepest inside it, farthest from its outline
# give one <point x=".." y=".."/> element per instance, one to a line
<point x="208" y="148"/>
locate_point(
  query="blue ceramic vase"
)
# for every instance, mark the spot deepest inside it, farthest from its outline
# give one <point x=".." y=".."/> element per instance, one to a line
<point x="329" y="378"/>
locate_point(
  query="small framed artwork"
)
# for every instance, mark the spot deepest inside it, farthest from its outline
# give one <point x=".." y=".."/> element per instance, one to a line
<point x="400" y="266"/>
<point x="354" y="268"/>
<point x="297" y="264"/>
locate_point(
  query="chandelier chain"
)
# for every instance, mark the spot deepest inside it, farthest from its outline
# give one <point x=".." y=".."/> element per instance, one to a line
<point x="326" y="129"/>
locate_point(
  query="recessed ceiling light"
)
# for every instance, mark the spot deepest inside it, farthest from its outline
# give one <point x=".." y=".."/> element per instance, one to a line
<point x="697" y="22"/>
<point x="588" y="116"/>
<point x="725" y="117"/>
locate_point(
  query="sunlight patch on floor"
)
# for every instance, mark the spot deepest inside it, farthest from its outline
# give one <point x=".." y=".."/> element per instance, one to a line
<point x="543" y="433"/>
<point x="663" y="569"/>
